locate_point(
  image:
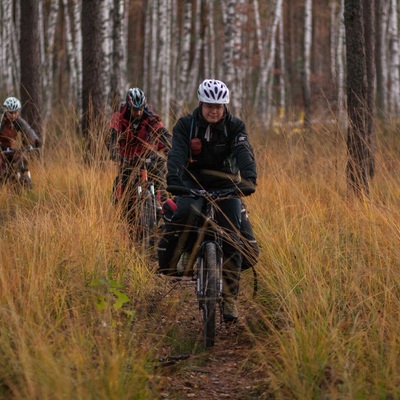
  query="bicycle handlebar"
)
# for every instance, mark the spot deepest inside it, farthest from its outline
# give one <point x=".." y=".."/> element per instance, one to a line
<point x="137" y="160"/>
<point x="182" y="190"/>
<point x="28" y="149"/>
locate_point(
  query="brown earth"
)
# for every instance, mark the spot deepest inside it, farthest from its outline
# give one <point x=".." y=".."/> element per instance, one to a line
<point x="229" y="370"/>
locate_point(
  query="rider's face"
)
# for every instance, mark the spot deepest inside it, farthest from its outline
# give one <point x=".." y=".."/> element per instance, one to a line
<point x="12" y="115"/>
<point x="136" y="113"/>
<point x="213" y="112"/>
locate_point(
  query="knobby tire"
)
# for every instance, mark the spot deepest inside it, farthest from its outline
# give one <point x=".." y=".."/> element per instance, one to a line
<point x="211" y="294"/>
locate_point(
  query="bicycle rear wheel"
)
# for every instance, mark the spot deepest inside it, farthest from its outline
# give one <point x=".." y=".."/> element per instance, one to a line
<point x="211" y="294"/>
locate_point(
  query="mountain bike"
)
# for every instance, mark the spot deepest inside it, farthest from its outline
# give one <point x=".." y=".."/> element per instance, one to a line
<point x="207" y="259"/>
<point x="14" y="169"/>
<point x="140" y="202"/>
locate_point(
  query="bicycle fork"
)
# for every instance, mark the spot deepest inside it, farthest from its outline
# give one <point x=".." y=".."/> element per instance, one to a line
<point x="150" y="188"/>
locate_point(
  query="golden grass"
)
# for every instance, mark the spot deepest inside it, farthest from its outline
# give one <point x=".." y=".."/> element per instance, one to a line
<point x="81" y="309"/>
<point x="330" y="271"/>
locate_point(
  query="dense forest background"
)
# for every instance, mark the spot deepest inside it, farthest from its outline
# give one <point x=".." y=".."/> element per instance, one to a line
<point x="282" y="59"/>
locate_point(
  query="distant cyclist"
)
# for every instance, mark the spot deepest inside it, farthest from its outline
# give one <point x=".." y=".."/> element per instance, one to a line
<point x="14" y="130"/>
<point x="210" y="150"/>
<point x="137" y="133"/>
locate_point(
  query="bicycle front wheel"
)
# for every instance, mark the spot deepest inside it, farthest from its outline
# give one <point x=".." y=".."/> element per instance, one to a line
<point x="211" y="294"/>
<point x="147" y="220"/>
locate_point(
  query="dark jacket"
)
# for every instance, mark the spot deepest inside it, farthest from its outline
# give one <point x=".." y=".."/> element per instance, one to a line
<point x="138" y="138"/>
<point x="210" y="155"/>
<point x="9" y="133"/>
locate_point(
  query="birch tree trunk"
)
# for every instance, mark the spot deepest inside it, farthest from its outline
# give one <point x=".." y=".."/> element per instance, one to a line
<point x="107" y="13"/>
<point x="265" y="80"/>
<point x="238" y="58"/>
<point x="154" y="61"/>
<point x="394" y="73"/>
<point x="340" y="56"/>
<point x="228" y="15"/>
<point x="184" y="55"/>
<point x="117" y="52"/>
<point x="261" y="52"/>
<point x="333" y="41"/>
<point x="271" y="62"/>
<point x="381" y="58"/>
<point x="165" y="59"/>
<point x="6" y="67"/>
<point x="71" y="51"/>
<point x="50" y="56"/>
<point x="77" y="7"/>
<point x="195" y="66"/>
<point x="282" y="61"/>
<point x="31" y="76"/>
<point x="307" y="63"/>
<point x="209" y="44"/>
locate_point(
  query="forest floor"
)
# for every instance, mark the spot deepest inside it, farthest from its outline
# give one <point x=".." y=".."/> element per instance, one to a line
<point x="229" y="370"/>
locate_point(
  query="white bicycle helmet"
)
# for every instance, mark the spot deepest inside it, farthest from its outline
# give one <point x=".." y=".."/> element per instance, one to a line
<point x="213" y="91"/>
<point x="136" y="98"/>
<point x="12" y="104"/>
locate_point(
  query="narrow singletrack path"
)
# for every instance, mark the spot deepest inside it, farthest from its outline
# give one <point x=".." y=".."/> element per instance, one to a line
<point x="229" y="370"/>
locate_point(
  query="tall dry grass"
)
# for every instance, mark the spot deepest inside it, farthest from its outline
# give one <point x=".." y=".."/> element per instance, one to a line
<point x="71" y="286"/>
<point x="81" y="309"/>
<point x="330" y="271"/>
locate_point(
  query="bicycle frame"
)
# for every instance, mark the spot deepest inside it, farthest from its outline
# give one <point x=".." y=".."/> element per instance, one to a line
<point x="146" y="208"/>
<point x="144" y="202"/>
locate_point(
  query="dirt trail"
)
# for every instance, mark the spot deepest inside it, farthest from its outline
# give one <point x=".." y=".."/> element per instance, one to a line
<point x="223" y="372"/>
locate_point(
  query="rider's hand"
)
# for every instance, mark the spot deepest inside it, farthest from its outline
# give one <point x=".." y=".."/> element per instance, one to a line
<point x="246" y="187"/>
<point x="38" y="143"/>
<point x="198" y="192"/>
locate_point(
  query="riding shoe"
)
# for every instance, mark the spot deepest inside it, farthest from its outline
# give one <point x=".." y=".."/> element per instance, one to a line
<point x="230" y="312"/>
<point x="182" y="263"/>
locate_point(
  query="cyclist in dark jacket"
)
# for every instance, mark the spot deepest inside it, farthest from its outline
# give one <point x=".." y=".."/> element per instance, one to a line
<point x="210" y="150"/>
<point x="137" y="134"/>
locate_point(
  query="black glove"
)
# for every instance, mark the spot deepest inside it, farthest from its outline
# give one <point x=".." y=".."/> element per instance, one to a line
<point x="173" y="183"/>
<point x="246" y="187"/>
<point x="38" y="143"/>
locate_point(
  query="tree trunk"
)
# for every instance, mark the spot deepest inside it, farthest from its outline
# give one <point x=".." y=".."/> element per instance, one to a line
<point x="92" y="55"/>
<point x="369" y="32"/>
<point x="340" y="70"/>
<point x="71" y="53"/>
<point x="357" y="90"/>
<point x="50" y="56"/>
<point x="195" y="67"/>
<point x="282" y="64"/>
<point x="394" y="73"/>
<point x="31" y="76"/>
<point x="117" y="52"/>
<point x="378" y="63"/>
<point x="6" y="35"/>
<point x="307" y="63"/>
